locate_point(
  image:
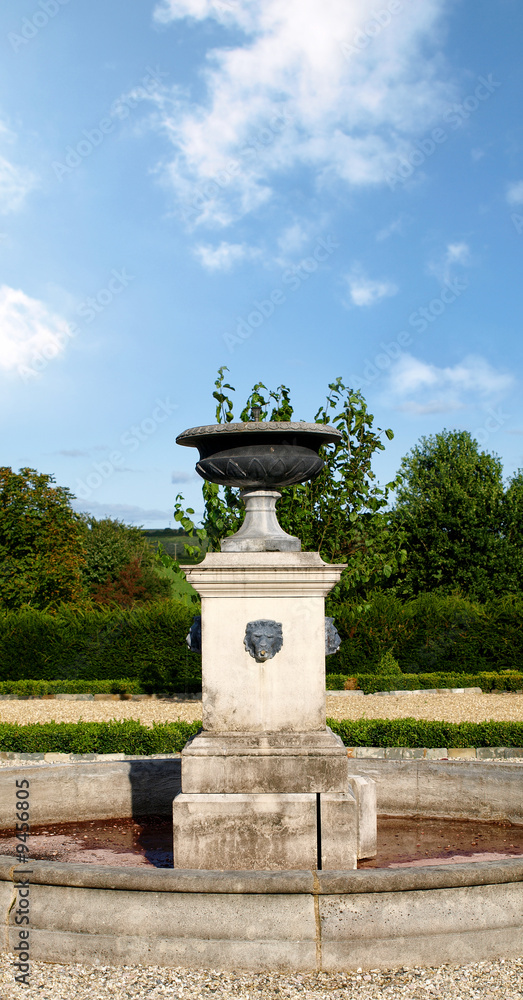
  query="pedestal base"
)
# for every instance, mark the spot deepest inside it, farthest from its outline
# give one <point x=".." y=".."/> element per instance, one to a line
<point x="269" y="762"/>
<point x="264" y="831"/>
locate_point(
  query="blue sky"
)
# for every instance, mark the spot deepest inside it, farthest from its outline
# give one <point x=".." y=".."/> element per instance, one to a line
<point x="296" y="190"/>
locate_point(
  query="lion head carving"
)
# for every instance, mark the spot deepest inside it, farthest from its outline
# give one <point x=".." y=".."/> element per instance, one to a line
<point x="263" y="639"/>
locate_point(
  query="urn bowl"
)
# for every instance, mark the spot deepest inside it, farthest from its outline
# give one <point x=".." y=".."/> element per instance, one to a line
<point x="259" y="454"/>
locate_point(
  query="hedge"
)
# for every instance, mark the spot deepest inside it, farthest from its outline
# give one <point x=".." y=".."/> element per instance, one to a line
<point x="146" y="645"/>
<point x="432" y="633"/>
<point x="38" y="689"/>
<point x="425" y="733"/>
<point x="126" y="736"/>
<point x="131" y="737"/>
<point x="369" y="683"/>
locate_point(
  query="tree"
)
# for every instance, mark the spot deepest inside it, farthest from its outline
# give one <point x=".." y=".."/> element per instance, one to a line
<point x="450" y="505"/>
<point x="120" y="567"/>
<point x="510" y="564"/>
<point x="343" y="513"/>
<point x="41" y="541"/>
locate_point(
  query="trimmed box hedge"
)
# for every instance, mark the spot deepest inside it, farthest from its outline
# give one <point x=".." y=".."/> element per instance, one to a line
<point x="424" y="733"/>
<point x="38" y="689"/>
<point x="131" y="737"/>
<point x="487" y="681"/>
<point x="125" y="736"/>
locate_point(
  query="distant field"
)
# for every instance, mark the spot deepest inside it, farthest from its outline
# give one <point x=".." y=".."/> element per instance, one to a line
<point x="173" y="543"/>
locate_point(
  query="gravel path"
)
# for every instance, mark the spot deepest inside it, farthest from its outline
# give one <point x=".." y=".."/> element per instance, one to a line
<point x="448" y="707"/>
<point x="500" y="980"/>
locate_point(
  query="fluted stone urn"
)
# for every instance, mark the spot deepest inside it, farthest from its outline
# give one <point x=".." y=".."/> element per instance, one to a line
<point x="259" y="457"/>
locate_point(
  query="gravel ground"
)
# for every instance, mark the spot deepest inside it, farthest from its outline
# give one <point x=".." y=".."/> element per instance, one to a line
<point x="448" y="707"/>
<point x="499" y="980"/>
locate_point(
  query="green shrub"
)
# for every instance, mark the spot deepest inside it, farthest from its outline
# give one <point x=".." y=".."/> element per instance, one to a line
<point x="425" y="733"/>
<point x="145" y="644"/>
<point x="488" y="681"/>
<point x="432" y="633"/>
<point x="388" y="664"/>
<point x="37" y="689"/>
<point x="126" y="736"/>
<point x="129" y="736"/>
<point x="335" y="682"/>
<point x="444" y="633"/>
<point x="367" y="633"/>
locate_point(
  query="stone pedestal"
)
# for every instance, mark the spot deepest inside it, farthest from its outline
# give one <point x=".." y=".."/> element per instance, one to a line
<point x="264" y="831"/>
<point x="285" y="693"/>
<point x="266" y="783"/>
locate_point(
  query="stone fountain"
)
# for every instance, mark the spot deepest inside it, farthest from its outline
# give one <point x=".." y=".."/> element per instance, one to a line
<point x="266" y="784"/>
<point x="271" y="811"/>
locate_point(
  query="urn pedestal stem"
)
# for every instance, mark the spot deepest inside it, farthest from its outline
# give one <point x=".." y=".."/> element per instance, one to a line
<point x="260" y="531"/>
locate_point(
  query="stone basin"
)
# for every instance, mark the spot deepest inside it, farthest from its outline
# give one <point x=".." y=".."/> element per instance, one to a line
<point x="265" y="920"/>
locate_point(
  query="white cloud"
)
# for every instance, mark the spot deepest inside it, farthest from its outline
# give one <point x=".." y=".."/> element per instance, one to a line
<point x="449" y="387"/>
<point x="224" y="256"/>
<point x="178" y="476"/>
<point x="396" y="226"/>
<point x="15" y="181"/>
<point x="432" y="406"/>
<point x="28" y="328"/>
<point x="15" y="184"/>
<point x="301" y="92"/>
<point x="293" y="239"/>
<point x="477" y="154"/>
<point x="515" y="193"/>
<point x="170" y="10"/>
<point x="458" y="252"/>
<point x="366" y="291"/>
<point x="455" y="253"/>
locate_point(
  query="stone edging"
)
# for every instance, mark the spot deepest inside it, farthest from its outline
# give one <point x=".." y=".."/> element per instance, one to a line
<point x="376" y="753"/>
<point x="319" y="883"/>
<point x="197" y="696"/>
<point x="375" y="694"/>
<point x="101" y="697"/>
